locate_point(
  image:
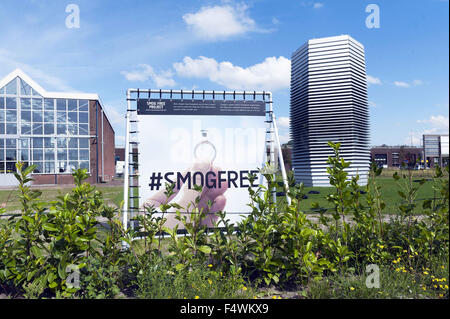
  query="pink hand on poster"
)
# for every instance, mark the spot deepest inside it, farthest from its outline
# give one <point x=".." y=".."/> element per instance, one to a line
<point x="185" y="197"/>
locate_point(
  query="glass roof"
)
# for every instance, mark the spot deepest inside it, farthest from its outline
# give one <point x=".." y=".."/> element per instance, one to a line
<point x="18" y="85"/>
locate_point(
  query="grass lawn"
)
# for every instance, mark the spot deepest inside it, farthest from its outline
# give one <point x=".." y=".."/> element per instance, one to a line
<point x="389" y="191"/>
<point x="112" y="194"/>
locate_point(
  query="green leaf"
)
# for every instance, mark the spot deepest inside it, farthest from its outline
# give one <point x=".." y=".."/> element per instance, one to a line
<point x="31" y="274"/>
<point x="53" y="284"/>
<point x="82" y="265"/>
<point x="51" y="277"/>
<point x="401" y="194"/>
<point x="62" y="270"/>
<point x="205" y="249"/>
<point x="28" y="170"/>
<point x="49" y="227"/>
<point x="178" y="267"/>
<point x="275" y="278"/>
<point x="28" y="219"/>
<point x="36" y="251"/>
<point x="317" y="278"/>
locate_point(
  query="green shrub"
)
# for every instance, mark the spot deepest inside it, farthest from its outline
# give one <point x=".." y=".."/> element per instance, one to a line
<point x="42" y="246"/>
<point x="276" y="243"/>
<point x="59" y="249"/>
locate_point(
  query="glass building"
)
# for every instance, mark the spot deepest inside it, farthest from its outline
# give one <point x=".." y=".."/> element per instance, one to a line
<point x="57" y="132"/>
<point x="436" y="149"/>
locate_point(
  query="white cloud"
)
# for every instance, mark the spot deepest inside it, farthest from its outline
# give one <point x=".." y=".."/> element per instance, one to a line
<point x="373" y="80"/>
<point x="162" y="79"/>
<point x="283" y="122"/>
<point x="372" y="104"/>
<point x="284" y="138"/>
<point x="218" y="22"/>
<point x="407" y="85"/>
<point x="401" y="84"/>
<point x="196" y="68"/>
<point x="140" y="76"/>
<point x="114" y="116"/>
<point x="444" y="105"/>
<point x="119" y="140"/>
<point x="49" y="82"/>
<point x="413" y="139"/>
<point x="314" y="5"/>
<point x="416" y="138"/>
<point x="435" y="124"/>
<point x="271" y="74"/>
<point x="438" y="122"/>
<point x="115" y="110"/>
<point x="317" y="5"/>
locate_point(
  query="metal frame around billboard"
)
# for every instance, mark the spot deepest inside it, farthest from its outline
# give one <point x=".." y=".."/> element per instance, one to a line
<point x="131" y="176"/>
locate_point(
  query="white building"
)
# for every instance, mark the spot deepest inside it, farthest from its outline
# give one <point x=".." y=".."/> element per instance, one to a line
<point x="57" y="132"/>
<point x="436" y="149"/>
<point x="329" y="103"/>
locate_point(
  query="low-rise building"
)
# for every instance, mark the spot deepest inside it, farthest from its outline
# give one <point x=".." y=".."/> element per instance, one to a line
<point x="394" y="156"/>
<point x="56" y="131"/>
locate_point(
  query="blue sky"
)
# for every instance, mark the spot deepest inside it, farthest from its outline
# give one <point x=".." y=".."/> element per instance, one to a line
<point x="234" y="45"/>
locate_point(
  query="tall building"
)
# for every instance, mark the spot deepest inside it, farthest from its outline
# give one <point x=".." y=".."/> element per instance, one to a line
<point x="329" y="103"/>
<point x="56" y="131"/>
<point x="436" y="149"/>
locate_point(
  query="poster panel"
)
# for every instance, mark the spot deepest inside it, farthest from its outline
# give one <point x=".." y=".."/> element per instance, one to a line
<point x="215" y="144"/>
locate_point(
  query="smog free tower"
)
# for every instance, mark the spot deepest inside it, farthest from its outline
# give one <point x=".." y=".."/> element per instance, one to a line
<point x="329" y="103"/>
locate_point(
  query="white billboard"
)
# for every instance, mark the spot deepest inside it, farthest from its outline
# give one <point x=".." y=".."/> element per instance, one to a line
<point x="215" y="144"/>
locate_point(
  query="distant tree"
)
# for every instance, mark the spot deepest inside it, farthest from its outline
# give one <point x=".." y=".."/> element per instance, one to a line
<point x="287" y="157"/>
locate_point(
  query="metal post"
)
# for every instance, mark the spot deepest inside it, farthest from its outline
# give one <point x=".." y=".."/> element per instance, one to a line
<point x="281" y="159"/>
<point x="272" y="150"/>
<point x="127" y="164"/>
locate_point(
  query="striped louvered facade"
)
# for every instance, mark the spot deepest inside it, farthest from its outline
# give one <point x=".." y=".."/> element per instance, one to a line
<point x="329" y="103"/>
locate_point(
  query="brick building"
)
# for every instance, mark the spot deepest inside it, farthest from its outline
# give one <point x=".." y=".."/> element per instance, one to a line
<point x="394" y="156"/>
<point x="56" y="131"/>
